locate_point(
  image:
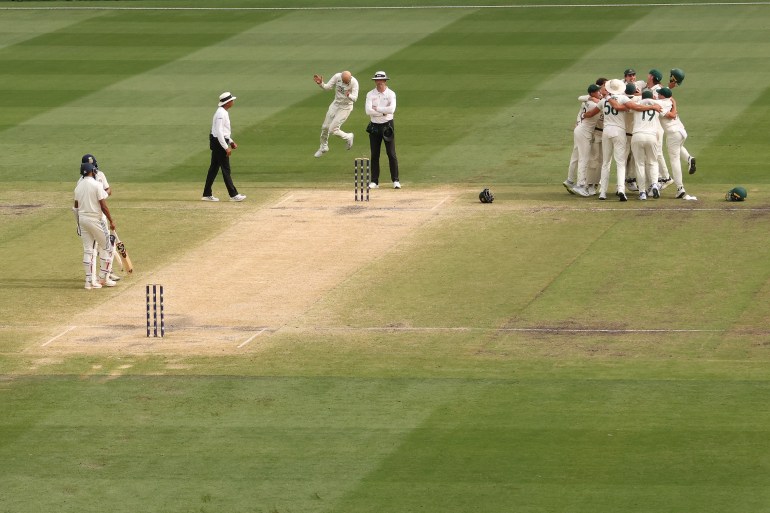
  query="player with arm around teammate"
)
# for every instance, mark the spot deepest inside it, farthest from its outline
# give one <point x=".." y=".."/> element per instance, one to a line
<point x="345" y="88"/>
<point x="583" y="135"/>
<point x="675" y="137"/>
<point x="644" y="141"/>
<point x="614" y="139"/>
<point x="94" y="224"/>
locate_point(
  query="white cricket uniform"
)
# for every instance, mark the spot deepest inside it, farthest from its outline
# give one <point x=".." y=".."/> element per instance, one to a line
<point x="662" y="167"/>
<point x="595" y="158"/>
<point x="582" y="136"/>
<point x="644" y="144"/>
<point x="345" y="95"/>
<point x="613" y="144"/>
<point x="93" y="225"/>
<point x="675" y="137"/>
<point x="100" y="177"/>
<point x="630" y="164"/>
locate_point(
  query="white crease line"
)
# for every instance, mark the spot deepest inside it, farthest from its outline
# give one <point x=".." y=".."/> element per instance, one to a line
<point x="255" y="335"/>
<point x="284" y="200"/>
<point x="440" y="203"/>
<point x="59" y="335"/>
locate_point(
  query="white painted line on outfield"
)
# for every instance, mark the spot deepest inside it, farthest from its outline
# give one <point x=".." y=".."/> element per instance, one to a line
<point x="59" y="335"/>
<point x="380" y="8"/>
<point x="255" y="335"/>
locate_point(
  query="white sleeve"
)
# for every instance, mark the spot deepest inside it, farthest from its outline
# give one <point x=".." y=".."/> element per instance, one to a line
<point x="353" y="89"/>
<point x="103" y="180"/>
<point x="391" y="107"/>
<point x="332" y="81"/>
<point x="368" y="106"/>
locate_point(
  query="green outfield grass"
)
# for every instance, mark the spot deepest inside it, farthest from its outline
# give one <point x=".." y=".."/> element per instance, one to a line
<point x="540" y="354"/>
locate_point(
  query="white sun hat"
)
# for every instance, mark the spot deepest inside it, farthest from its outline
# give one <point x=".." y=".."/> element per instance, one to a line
<point x="225" y="97"/>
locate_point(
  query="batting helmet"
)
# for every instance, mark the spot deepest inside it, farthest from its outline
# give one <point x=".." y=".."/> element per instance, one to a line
<point x="736" y="194"/>
<point x="486" y="196"/>
<point x="90" y="159"/>
<point x="86" y="167"/>
<point x="677" y="75"/>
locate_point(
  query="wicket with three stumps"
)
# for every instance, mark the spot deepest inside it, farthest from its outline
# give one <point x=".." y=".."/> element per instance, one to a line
<point x="157" y="301"/>
<point x="362" y="174"/>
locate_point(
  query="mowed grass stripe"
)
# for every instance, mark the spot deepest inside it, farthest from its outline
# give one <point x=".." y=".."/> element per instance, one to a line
<point x="71" y="63"/>
<point x="163" y="110"/>
<point x="290" y="444"/>
<point x="577" y="445"/>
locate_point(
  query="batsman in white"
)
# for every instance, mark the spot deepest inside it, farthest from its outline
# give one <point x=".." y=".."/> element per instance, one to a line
<point x="100" y="177"/>
<point x="345" y="88"/>
<point x="93" y="215"/>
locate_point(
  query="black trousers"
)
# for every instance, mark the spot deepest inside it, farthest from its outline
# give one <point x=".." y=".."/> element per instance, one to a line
<point x="375" y="143"/>
<point x="219" y="159"/>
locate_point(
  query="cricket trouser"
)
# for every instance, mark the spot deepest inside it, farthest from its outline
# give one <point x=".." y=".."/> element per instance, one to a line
<point x="595" y="161"/>
<point x="613" y="147"/>
<point x="335" y="117"/>
<point x="676" y="151"/>
<point x="663" y="168"/>
<point x="376" y="137"/>
<point x="645" y="149"/>
<point x="95" y="234"/>
<point x="582" y="139"/>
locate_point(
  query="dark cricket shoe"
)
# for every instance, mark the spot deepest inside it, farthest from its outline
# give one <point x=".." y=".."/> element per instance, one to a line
<point x="691" y="165"/>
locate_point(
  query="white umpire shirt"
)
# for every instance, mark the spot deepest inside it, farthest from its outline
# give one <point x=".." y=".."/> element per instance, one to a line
<point x="220" y="127"/>
<point x="384" y="101"/>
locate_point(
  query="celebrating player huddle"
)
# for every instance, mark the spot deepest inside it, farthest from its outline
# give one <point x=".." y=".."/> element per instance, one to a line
<point x="625" y="121"/>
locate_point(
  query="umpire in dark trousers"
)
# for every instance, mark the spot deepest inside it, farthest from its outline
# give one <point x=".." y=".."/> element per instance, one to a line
<point x="222" y="145"/>
<point x="380" y="106"/>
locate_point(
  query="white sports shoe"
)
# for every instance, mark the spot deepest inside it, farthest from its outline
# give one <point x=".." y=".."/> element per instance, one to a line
<point x="90" y="285"/>
<point x="114" y="277"/>
<point x="580" y="191"/>
<point x="238" y="197"/>
<point x="350" y="141"/>
<point x="210" y="198"/>
<point x="396" y="184"/>
<point x="569" y="185"/>
<point x="643" y="196"/>
<point x="106" y="282"/>
<point x="322" y="150"/>
<point x="373" y="185"/>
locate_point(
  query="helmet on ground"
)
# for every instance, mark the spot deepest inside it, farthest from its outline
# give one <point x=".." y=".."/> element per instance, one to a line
<point x="677" y="75"/>
<point x="90" y="159"/>
<point x="486" y="196"/>
<point x="736" y="194"/>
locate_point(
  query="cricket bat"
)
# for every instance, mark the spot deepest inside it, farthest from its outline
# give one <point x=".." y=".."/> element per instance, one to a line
<point x="121" y="248"/>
